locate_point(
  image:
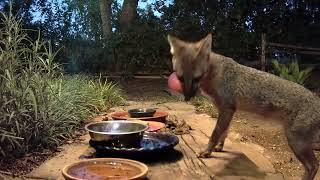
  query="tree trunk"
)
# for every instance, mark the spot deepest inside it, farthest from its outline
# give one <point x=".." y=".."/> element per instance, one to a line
<point x="128" y="13"/>
<point x="263" y="52"/>
<point x="105" y="11"/>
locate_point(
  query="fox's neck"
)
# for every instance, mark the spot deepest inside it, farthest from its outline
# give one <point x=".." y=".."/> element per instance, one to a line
<point x="214" y="62"/>
<point x="211" y="70"/>
<point x="215" y="67"/>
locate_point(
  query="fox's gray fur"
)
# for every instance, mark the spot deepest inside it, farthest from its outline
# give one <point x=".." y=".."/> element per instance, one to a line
<point x="232" y="86"/>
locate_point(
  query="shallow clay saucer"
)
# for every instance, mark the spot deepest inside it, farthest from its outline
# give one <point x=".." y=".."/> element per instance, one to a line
<point x="105" y="168"/>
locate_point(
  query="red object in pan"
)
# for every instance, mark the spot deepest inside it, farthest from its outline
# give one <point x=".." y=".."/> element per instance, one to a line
<point x="159" y="116"/>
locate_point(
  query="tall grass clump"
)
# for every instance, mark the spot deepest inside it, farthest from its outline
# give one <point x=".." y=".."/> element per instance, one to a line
<point x="39" y="107"/>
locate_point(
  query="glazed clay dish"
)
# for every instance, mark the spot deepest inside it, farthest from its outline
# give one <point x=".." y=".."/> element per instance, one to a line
<point x="105" y="168"/>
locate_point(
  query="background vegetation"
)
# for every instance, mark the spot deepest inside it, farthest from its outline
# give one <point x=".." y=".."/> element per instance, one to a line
<point x="291" y="72"/>
<point x="39" y="107"/>
<point x="130" y="35"/>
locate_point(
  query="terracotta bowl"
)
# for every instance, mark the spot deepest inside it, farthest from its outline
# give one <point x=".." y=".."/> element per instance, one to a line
<point x="158" y="116"/>
<point x="105" y="168"/>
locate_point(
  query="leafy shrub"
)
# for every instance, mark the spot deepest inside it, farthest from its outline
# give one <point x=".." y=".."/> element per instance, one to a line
<point x="38" y="106"/>
<point x="88" y="94"/>
<point x="86" y="56"/>
<point x="141" y="48"/>
<point x="291" y="72"/>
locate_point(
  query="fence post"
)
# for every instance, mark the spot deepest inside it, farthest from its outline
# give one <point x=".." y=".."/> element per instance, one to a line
<point x="263" y="52"/>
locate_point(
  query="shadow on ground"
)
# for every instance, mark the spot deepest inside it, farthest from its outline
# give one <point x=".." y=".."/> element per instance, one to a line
<point x="240" y="165"/>
<point x="149" y="158"/>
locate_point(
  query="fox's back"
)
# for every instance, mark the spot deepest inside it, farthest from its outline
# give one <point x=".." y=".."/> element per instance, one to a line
<point x="254" y="90"/>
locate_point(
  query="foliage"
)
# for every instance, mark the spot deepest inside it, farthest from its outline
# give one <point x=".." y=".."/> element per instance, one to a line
<point x="85" y="56"/>
<point x="236" y="28"/>
<point x="38" y="106"/>
<point x="124" y="52"/>
<point x="131" y="45"/>
<point x="292" y="72"/>
<point x="203" y="105"/>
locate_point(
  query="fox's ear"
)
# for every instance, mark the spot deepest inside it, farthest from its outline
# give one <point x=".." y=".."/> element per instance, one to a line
<point x="175" y="44"/>
<point x="205" y="44"/>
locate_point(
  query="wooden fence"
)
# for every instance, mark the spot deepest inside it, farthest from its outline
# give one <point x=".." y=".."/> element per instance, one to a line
<point x="295" y="48"/>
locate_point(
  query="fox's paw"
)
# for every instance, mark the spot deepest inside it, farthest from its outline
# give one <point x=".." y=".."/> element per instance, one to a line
<point x="218" y="148"/>
<point x="204" y="154"/>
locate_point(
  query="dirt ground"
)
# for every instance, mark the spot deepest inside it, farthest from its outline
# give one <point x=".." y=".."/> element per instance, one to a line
<point x="253" y="128"/>
<point x="17" y="167"/>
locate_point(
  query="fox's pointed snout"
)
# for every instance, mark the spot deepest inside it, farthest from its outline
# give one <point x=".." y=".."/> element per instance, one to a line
<point x="190" y="88"/>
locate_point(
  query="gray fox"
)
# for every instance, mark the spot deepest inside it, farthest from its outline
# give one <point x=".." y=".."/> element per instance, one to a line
<point x="232" y="86"/>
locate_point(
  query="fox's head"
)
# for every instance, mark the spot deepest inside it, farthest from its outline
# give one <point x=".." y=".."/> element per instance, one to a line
<point x="190" y="62"/>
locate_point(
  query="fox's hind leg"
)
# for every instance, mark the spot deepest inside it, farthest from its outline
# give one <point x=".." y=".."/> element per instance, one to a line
<point x="304" y="153"/>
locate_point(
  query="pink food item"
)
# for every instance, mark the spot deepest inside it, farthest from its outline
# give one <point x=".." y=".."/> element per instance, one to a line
<point x="174" y="83"/>
<point x="154" y="126"/>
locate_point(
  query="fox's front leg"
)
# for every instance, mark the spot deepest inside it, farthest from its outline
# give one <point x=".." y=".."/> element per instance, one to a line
<point x="219" y="133"/>
<point x="220" y="145"/>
